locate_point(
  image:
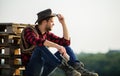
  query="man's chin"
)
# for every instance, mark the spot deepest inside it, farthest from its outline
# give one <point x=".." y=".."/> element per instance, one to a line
<point x="49" y="30"/>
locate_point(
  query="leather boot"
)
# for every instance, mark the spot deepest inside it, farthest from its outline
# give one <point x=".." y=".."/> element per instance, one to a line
<point x="69" y="71"/>
<point x="84" y="72"/>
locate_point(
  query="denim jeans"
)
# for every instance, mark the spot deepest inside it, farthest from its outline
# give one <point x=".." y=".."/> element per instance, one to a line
<point x="70" y="52"/>
<point x="43" y="62"/>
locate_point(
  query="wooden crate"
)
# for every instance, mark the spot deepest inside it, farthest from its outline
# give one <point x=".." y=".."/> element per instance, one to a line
<point x="10" y="59"/>
<point x="12" y="28"/>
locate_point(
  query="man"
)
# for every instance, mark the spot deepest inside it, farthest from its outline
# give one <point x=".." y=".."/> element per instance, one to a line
<point x="36" y="41"/>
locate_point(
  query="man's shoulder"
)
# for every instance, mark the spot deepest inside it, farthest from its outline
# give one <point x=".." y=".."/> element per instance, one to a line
<point x="30" y="29"/>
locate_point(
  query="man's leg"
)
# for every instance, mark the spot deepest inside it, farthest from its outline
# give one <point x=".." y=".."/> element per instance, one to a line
<point x="51" y="62"/>
<point x="66" y="67"/>
<point x="35" y="65"/>
<point x="42" y="62"/>
<point x="79" y="66"/>
<point x="70" y="52"/>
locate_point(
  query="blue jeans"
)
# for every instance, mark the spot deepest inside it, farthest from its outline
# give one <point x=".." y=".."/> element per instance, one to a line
<point x="43" y="62"/>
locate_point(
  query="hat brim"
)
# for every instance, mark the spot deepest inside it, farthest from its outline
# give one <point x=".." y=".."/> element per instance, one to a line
<point x="53" y="15"/>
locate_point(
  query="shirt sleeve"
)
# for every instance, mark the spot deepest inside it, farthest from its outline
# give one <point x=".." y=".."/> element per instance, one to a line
<point x="58" y="40"/>
<point x="32" y="38"/>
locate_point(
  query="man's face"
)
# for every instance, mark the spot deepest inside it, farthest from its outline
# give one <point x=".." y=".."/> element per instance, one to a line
<point x="50" y="24"/>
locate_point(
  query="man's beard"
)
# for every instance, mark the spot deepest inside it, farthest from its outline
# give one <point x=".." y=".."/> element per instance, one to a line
<point x="48" y="28"/>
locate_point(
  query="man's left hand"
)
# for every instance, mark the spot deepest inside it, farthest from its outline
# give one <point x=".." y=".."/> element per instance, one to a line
<point x="61" y="19"/>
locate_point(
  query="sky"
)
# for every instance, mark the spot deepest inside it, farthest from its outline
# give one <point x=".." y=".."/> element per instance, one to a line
<point x="94" y="25"/>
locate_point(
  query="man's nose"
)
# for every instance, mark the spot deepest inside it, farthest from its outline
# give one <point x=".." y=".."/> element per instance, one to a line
<point x="53" y="24"/>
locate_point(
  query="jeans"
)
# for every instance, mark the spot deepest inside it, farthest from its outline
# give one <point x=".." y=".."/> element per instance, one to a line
<point x="70" y="52"/>
<point x="43" y="62"/>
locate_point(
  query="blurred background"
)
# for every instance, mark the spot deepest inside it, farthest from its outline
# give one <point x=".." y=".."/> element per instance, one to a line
<point x="94" y="27"/>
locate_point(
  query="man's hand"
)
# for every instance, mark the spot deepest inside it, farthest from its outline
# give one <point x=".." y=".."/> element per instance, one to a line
<point x="61" y="19"/>
<point x="65" y="30"/>
<point x="62" y="50"/>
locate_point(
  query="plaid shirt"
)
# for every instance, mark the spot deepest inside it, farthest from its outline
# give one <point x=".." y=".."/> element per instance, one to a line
<point x="31" y="38"/>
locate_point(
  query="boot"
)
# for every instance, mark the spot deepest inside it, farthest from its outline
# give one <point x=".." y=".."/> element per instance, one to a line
<point x="84" y="72"/>
<point x="69" y="71"/>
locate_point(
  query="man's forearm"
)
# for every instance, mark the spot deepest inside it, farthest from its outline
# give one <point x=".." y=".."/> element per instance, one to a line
<point x="51" y="44"/>
<point x="61" y="49"/>
<point x="65" y="31"/>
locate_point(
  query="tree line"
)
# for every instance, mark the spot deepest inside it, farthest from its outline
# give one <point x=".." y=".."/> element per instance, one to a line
<point x="104" y="64"/>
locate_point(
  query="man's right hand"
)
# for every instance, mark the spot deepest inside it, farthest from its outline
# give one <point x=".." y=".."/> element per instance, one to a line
<point x="62" y="50"/>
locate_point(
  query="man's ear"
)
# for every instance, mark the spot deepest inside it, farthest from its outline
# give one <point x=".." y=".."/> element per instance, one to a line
<point x="44" y="22"/>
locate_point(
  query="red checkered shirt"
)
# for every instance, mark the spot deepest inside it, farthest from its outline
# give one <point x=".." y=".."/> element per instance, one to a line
<point x="31" y="38"/>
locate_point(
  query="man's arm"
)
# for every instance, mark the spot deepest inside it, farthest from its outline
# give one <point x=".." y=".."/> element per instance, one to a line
<point x="52" y="44"/>
<point x="65" y="30"/>
<point x="30" y="37"/>
<point x="61" y="49"/>
<point x="65" y="35"/>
